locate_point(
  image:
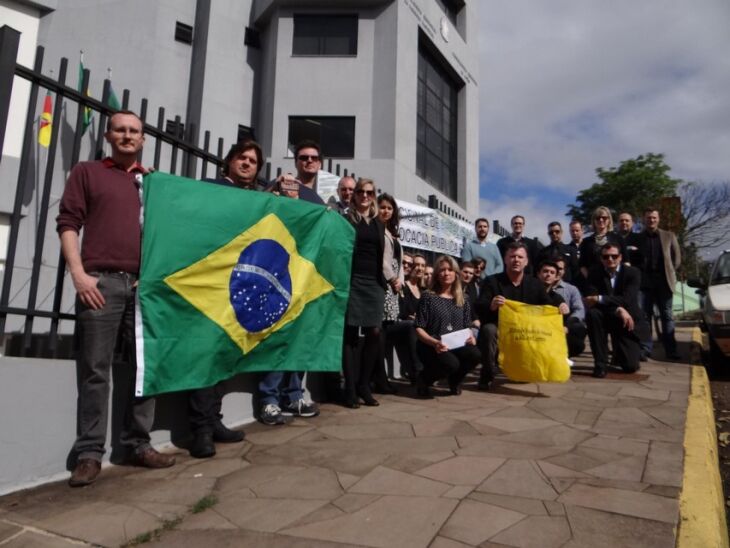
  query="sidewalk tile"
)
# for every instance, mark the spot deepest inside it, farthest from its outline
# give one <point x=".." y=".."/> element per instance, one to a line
<point x="265" y="515"/>
<point x="444" y="427"/>
<point x="618" y="445"/>
<point x="664" y="465"/>
<point x="384" y="481"/>
<point x="369" y="431"/>
<point x="30" y="539"/>
<point x="405" y="522"/>
<point x="482" y="446"/>
<point x="595" y="528"/>
<point x="536" y="532"/>
<point x="475" y="522"/>
<point x="626" y="469"/>
<point x="519" y="478"/>
<point x="310" y="483"/>
<point x="209" y="519"/>
<point x="629" y="503"/>
<point x="462" y="470"/>
<point x="7" y="530"/>
<point x="442" y="542"/>
<point x="518" y="504"/>
<point x="254" y="475"/>
<point x="351" y="502"/>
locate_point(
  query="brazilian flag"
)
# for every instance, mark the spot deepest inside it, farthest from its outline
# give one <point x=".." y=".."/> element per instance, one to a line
<point x="236" y="281"/>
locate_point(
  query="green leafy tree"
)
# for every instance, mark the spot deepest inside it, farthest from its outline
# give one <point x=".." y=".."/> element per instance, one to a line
<point x="632" y="186"/>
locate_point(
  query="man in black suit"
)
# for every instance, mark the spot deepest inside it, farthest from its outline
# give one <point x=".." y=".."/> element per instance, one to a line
<point x="612" y="304"/>
<point x="532" y="245"/>
<point x="557" y="249"/>
<point x="513" y="284"/>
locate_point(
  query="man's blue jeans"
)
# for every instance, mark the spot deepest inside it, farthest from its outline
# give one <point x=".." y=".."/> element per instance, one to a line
<point x="650" y="298"/>
<point x="280" y="387"/>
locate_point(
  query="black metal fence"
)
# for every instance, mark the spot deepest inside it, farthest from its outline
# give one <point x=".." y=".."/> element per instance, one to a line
<point x="174" y="149"/>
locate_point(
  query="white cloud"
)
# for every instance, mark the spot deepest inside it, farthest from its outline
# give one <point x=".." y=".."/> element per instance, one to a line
<point x="571" y="85"/>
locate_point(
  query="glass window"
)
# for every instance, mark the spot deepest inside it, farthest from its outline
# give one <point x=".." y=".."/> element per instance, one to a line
<point x="436" y="124"/>
<point x="335" y="134"/>
<point x="325" y="35"/>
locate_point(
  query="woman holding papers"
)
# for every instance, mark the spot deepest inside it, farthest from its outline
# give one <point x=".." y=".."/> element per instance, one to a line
<point x="446" y="345"/>
<point x="367" y="296"/>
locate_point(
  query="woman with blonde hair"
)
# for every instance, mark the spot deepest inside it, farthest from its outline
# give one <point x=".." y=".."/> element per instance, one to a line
<point x="367" y="296"/>
<point x="443" y="310"/>
<point x="590" y="247"/>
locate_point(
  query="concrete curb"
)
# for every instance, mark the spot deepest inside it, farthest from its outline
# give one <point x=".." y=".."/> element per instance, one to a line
<point x="701" y="505"/>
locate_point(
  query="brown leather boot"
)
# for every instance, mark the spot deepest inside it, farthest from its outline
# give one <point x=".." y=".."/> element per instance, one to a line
<point x="150" y="458"/>
<point x="85" y="472"/>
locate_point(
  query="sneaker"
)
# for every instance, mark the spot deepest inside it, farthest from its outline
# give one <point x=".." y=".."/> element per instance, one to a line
<point x="302" y="408"/>
<point x="271" y="415"/>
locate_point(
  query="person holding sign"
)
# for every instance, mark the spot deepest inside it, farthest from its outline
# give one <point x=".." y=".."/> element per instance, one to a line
<point x="446" y="346"/>
<point x="511" y="284"/>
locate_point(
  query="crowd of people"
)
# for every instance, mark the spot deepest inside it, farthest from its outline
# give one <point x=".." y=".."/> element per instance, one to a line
<point x="440" y="318"/>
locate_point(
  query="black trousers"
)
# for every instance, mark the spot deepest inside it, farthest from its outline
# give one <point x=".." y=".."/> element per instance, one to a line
<point x="454" y="364"/>
<point x="204" y="408"/>
<point x="626" y="349"/>
<point x="576" y="336"/>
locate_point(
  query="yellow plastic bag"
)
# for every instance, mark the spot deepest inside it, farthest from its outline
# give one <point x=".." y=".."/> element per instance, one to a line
<point x="532" y="345"/>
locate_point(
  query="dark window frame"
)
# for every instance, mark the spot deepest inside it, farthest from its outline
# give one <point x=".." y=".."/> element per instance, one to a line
<point x="437" y="119"/>
<point x="313" y="34"/>
<point x="334" y="144"/>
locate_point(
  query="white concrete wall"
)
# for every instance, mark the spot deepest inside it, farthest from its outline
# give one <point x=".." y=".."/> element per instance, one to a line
<point x="38" y="419"/>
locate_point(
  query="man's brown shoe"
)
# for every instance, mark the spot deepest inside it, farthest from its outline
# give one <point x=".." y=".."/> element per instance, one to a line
<point x="149" y="458"/>
<point x="85" y="472"/>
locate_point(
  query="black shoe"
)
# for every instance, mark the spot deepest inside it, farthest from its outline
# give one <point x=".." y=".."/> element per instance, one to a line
<point x="202" y="447"/>
<point x="386" y="388"/>
<point x="484" y="386"/>
<point x="369" y="400"/>
<point x="455" y="389"/>
<point x="599" y="372"/>
<point x="423" y="391"/>
<point x="674" y="356"/>
<point x="644" y="357"/>
<point x="352" y="404"/>
<point x="223" y="434"/>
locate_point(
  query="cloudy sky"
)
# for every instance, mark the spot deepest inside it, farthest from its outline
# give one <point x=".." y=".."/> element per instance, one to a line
<point x="571" y="85"/>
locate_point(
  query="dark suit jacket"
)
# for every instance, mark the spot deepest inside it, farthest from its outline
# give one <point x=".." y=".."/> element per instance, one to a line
<point x="533" y="248"/>
<point x="531" y="291"/>
<point x="565" y="252"/>
<point x="625" y="294"/>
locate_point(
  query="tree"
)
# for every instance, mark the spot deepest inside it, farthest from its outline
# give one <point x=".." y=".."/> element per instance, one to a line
<point x="706" y="212"/>
<point x="632" y="186"/>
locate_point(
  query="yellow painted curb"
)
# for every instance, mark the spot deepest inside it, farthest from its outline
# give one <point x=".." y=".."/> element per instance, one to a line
<point x="701" y="503"/>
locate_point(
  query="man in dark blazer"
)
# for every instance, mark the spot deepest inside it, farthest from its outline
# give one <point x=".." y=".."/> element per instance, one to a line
<point x="612" y="305"/>
<point x="532" y="245"/>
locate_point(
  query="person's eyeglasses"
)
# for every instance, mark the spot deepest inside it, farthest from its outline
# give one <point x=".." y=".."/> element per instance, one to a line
<point x="365" y="192"/>
<point x="407" y="263"/>
<point x="308" y="158"/>
<point x="613" y="256"/>
<point x="602" y="218"/>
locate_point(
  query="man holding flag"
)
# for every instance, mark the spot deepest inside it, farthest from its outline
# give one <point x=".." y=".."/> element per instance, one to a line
<point x="103" y="199"/>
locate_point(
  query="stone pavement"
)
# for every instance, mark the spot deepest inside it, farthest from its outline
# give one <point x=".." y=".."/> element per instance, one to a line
<point x="585" y="463"/>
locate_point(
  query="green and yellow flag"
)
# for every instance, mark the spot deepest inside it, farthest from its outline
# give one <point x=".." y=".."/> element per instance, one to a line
<point x="236" y="281"/>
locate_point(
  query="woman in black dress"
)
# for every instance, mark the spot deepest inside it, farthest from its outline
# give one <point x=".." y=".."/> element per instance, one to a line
<point x="443" y="310"/>
<point x="367" y="296"/>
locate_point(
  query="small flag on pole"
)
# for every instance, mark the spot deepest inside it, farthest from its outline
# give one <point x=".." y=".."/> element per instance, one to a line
<point x="113" y="100"/>
<point x="87" y="110"/>
<point x="45" y="126"/>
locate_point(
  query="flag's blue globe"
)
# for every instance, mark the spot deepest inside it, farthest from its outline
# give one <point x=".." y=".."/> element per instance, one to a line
<point x="260" y="285"/>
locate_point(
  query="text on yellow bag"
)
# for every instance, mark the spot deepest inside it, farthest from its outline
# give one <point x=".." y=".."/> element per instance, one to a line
<point x="532" y="346"/>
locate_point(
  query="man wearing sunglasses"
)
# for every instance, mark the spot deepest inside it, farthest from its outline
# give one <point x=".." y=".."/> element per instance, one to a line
<point x="303" y="185"/>
<point x="612" y="307"/>
<point x="556" y="248"/>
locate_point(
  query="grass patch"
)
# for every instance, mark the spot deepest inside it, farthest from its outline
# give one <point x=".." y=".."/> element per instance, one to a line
<point x="155" y="534"/>
<point x="203" y="504"/>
